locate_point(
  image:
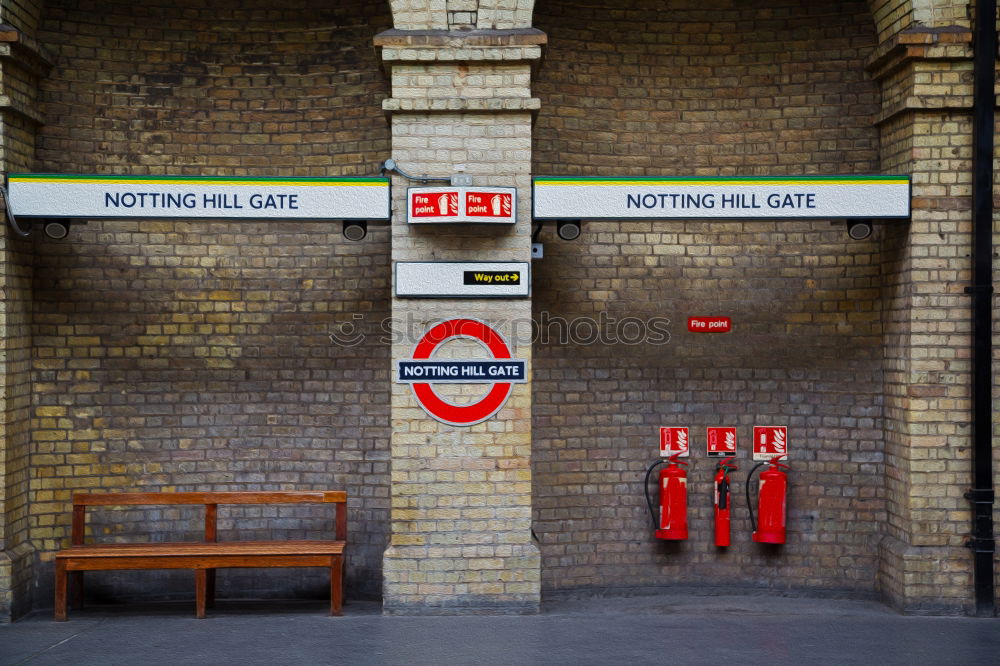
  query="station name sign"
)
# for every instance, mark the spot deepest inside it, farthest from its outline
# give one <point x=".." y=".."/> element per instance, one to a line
<point x="103" y="196"/>
<point x="875" y="196"/>
<point x="462" y="372"/>
<point x="479" y="205"/>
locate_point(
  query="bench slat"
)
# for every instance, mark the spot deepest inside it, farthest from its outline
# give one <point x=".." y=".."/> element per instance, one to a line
<point x="236" y="497"/>
<point x="203" y="562"/>
<point x="186" y="548"/>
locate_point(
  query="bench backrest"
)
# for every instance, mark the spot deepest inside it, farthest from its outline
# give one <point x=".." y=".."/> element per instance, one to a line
<point x="211" y="502"/>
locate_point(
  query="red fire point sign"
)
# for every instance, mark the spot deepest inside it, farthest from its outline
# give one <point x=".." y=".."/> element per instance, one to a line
<point x="721" y="442"/>
<point x="488" y="204"/>
<point x="674" y="440"/>
<point x="478" y="205"/>
<point x="502" y="371"/>
<point x="437" y="204"/>
<point x="769" y="441"/>
<point x="710" y="324"/>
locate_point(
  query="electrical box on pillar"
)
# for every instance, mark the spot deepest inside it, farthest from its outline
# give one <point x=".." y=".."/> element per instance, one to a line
<point x="723" y="501"/>
<point x="672" y="522"/>
<point x="771" y="495"/>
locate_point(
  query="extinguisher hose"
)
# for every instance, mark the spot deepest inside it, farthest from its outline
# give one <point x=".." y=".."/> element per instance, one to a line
<point x="645" y="486"/>
<point x="753" y="522"/>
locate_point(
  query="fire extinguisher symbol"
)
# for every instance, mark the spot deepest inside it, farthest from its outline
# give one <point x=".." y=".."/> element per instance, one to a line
<point x="721" y="441"/>
<point x="448" y="203"/>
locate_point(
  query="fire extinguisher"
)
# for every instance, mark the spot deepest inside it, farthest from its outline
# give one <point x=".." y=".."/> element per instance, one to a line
<point x="672" y="523"/>
<point x="770" y="501"/>
<point x="723" y="501"/>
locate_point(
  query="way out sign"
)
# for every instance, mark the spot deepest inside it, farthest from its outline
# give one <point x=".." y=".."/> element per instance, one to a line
<point x="499" y="372"/>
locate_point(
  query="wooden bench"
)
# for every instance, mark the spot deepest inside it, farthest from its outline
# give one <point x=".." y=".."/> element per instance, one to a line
<point x="202" y="557"/>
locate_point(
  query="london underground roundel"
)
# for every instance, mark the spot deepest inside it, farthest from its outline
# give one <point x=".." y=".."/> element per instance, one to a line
<point x="500" y="371"/>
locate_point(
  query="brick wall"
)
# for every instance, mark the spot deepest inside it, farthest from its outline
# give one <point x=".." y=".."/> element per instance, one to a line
<point x="716" y="88"/>
<point x="461" y="496"/>
<point x="925" y="78"/>
<point x="461" y="14"/>
<point x="20" y="67"/>
<point x="893" y="16"/>
<point x="184" y="355"/>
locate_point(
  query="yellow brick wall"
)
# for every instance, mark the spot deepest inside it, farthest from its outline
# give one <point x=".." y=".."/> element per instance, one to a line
<point x="187" y="354"/>
<point x="461" y="496"/>
<point x="894" y="16"/>
<point x="19" y="69"/>
<point x="461" y="14"/>
<point x="712" y="89"/>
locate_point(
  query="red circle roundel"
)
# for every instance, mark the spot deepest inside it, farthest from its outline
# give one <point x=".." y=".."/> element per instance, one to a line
<point x="494" y="371"/>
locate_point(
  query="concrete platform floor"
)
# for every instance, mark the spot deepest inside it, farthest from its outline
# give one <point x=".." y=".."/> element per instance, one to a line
<point x="633" y="631"/>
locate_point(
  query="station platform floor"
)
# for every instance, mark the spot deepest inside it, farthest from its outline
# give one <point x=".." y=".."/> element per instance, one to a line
<point x="632" y="631"/>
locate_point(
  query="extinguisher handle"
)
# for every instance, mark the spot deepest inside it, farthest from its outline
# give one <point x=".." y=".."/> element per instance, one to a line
<point x="779" y="465"/>
<point x="726" y="466"/>
<point x="675" y="460"/>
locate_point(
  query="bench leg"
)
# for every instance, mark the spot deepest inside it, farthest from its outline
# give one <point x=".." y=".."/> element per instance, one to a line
<point x="210" y="592"/>
<point x="76" y="589"/>
<point x="61" y="583"/>
<point x="336" y="585"/>
<point x="200" y="588"/>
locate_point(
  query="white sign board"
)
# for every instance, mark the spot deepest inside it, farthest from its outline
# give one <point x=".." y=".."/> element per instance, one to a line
<point x="470" y="279"/>
<point x="435" y="205"/>
<point x="99" y="196"/>
<point x="688" y="198"/>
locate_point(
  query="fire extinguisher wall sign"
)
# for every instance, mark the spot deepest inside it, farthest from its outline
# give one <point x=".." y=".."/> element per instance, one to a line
<point x="674" y="441"/>
<point x="721" y="442"/>
<point x="769" y="441"/>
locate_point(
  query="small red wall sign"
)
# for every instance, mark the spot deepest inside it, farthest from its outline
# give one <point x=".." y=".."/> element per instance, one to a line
<point x="710" y="324"/>
<point x="674" y="440"/>
<point x="769" y="441"/>
<point x="721" y="442"/>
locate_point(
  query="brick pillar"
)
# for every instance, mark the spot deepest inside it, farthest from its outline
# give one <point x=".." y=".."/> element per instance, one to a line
<point x="22" y="64"/>
<point x="926" y="131"/>
<point x="461" y="496"/>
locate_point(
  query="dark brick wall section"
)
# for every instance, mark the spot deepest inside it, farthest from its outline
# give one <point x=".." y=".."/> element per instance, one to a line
<point x="184" y="355"/>
<point x="708" y="88"/>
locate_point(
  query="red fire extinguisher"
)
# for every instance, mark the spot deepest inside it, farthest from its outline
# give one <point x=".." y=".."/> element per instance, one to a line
<point x="770" y="501"/>
<point x="723" y="502"/>
<point x="672" y="523"/>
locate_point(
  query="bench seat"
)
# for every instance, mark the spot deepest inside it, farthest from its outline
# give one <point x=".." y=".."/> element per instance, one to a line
<point x="202" y="557"/>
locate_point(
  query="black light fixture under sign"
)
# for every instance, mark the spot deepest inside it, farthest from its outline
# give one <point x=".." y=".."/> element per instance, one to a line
<point x="859" y="229"/>
<point x="569" y="229"/>
<point x="56" y="229"/>
<point x="355" y="230"/>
